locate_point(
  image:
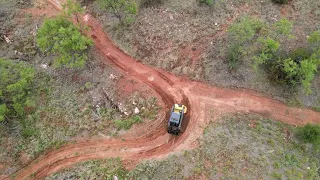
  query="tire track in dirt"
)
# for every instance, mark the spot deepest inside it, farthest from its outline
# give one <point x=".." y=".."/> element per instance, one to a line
<point x="200" y="98"/>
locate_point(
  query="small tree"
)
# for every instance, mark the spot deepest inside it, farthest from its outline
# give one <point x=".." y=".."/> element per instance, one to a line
<point x="268" y="47"/>
<point x="314" y="41"/>
<point x="15" y="87"/>
<point x="60" y="37"/>
<point x="241" y="35"/>
<point x="251" y="37"/>
<point x="283" y="27"/>
<point x="307" y="71"/>
<point x="124" y="10"/>
<point x="72" y="8"/>
<point x="298" y="67"/>
<point x="244" y="30"/>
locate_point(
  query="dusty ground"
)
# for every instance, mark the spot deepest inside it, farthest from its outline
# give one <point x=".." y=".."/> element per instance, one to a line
<point x="235" y="147"/>
<point x="191" y="40"/>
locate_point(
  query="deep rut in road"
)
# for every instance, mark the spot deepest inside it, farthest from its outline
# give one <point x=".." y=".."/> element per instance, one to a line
<point x="201" y="100"/>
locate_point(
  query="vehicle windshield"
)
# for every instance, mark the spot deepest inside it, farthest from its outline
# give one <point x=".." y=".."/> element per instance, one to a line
<point x="174" y="124"/>
<point x="175" y="117"/>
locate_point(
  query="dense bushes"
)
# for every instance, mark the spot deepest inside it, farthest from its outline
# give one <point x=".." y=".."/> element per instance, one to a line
<point x="15" y="90"/>
<point x="310" y="134"/>
<point x="293" y="68"/>
<point x="241" y="35"/>
<point x="265" y="45"/>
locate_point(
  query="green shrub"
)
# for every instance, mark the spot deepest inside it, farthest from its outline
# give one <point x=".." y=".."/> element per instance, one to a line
<point x="15" y="89"/>
<point x="89" y="85"/>
<point x="244" y="30"/>
<point x="124" y="10"/>
<point x="280" y="1"/>
<point x="3" y="111"/>
<point x="290" y="160"/>
<point x="106" y="113"/>
<point x="307" y="71"/>
<point x="207" y="2"/>
<point x="234" y="54"/>
<point x="60" y="37"/>
<point x="300" y="54"/>
<point x="151" y="108"/>
<point x="291" y="69"/>
<point x="28" y="129"/>
<point x="314" y="40"/>
<point x="282" y="27"/>
<point x="72" y="9"/>
<point x="251" y="38"/>
<point x="276" y="175"/>
<point x="240" y="35"/>
<point x="310" y="134"/>
<point x="127" y="123"/>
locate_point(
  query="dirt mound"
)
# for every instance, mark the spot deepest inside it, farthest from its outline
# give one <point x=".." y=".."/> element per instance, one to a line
<point x="205" y="103"/>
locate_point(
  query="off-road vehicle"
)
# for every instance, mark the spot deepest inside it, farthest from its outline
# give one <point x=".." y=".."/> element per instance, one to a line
<point x="176" y="117"/>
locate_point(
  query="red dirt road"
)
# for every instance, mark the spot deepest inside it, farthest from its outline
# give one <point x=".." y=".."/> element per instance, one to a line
<point x="205" y="103"/>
